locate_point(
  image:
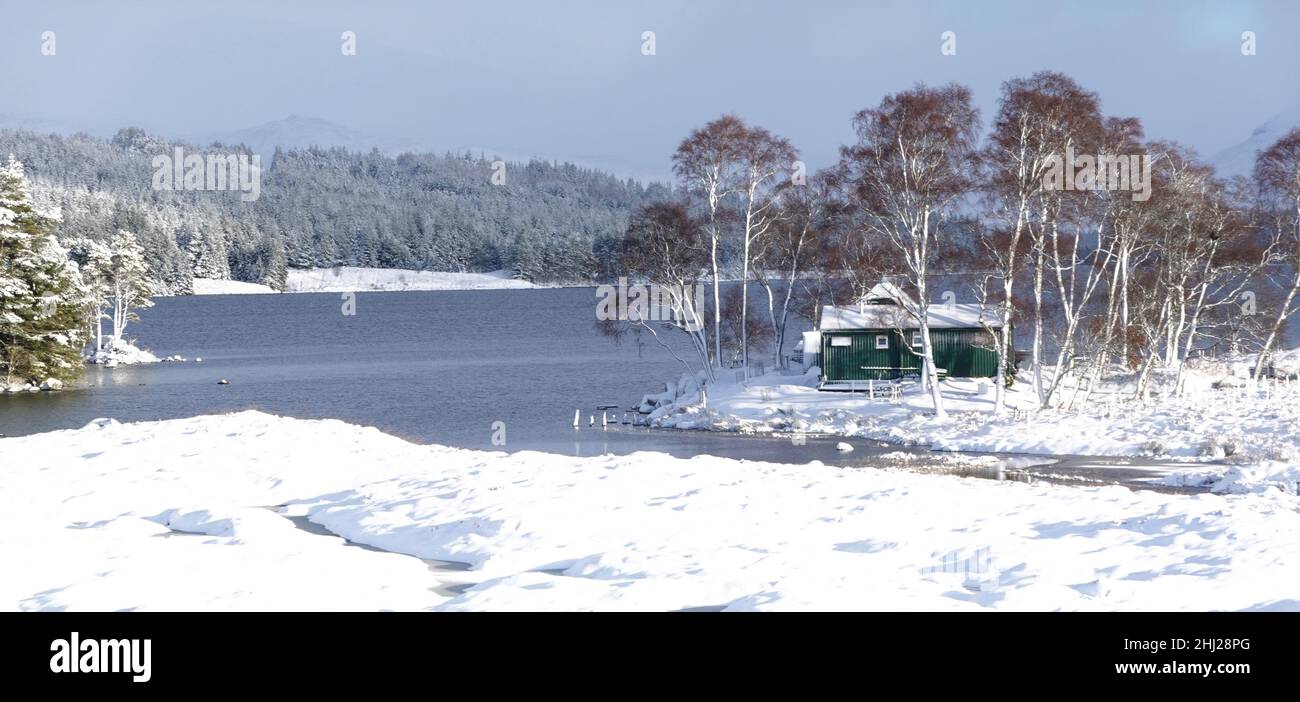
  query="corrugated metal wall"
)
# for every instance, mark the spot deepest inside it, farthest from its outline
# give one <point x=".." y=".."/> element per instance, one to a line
<point x="964" y="353"/>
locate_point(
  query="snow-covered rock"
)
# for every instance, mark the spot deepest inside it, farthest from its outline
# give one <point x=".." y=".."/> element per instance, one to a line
<point x="661" y="400"/>
<point x="52" y="384"/>
<point x="100" y="423"/>
<point x="676" y="392"/>
<point x="121" y="352"/>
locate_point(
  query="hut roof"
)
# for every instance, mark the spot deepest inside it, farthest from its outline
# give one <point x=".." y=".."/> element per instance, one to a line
<point x="887" y="306"/>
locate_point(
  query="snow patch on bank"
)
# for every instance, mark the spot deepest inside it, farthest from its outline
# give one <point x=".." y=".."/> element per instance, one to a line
<point x="192" y="514"/>
<point x="1243" y="479"/>
<point x="209" y="286"/>
<point x="357" y="279"/>
<point x="352" y="279"/>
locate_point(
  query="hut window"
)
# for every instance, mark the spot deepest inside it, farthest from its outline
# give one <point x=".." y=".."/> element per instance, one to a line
<point x="841" y="341"/>
<point x="916" y="338"/>
<point x="882" y="341"/>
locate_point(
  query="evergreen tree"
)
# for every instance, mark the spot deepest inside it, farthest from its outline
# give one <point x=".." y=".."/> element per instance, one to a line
<point x="207" y="249"/>
<point x="42" y="300"/>
<point x="277" y="267"/>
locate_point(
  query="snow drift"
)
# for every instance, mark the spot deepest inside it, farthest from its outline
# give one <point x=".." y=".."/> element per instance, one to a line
<point x="236" y="512"/>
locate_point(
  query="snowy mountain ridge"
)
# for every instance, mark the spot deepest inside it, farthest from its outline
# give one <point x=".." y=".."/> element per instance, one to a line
<point x="299" y="132"/>
<point x="1240" y="159"/>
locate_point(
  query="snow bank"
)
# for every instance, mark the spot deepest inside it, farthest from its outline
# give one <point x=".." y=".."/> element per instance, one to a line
<point x="1264" y="477"/>
<point x="351" y="279"/>
<point x="209" y="286"/>
<point x="1214" y="421"/>
<point x="199" y="514"/>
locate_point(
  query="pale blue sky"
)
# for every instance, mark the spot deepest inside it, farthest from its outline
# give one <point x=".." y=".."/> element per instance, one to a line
<point x="567" y="79"/>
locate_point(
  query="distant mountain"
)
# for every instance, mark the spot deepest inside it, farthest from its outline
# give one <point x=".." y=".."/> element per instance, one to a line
<point x="297" y="132"/>
<point x="45" y="125"/>
<point x="1240" y="159"/>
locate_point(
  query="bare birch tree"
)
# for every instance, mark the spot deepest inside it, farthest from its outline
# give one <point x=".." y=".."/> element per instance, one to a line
<point x="913" y="160"/>
<point x="1277" y="175"/>
<point x="763" y="159"/>
<point x="707" y="162"/>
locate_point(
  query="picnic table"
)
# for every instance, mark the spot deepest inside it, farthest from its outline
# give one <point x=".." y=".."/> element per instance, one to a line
<point x="891" y="389"/>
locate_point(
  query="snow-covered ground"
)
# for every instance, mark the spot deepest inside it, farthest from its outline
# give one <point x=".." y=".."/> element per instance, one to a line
<point x="1219" y="418"/>
<point x="354" y="279"/>
<point x="350" y="279"/>
<point x="209" y="286"/>
<point x="194" y="514"/>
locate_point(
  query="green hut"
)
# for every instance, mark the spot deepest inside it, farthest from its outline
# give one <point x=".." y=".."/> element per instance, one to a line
<point x="880" y="339"/>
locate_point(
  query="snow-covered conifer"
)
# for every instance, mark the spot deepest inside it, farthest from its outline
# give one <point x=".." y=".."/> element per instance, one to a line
<point x="42" y="299"/>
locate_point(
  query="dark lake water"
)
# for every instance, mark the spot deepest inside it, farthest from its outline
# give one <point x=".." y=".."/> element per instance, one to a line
<point x="432" y="367"/>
